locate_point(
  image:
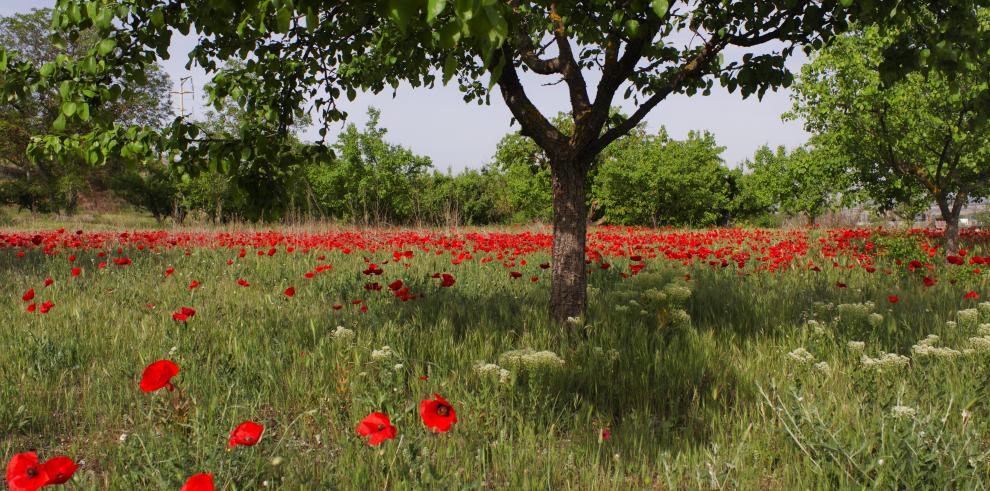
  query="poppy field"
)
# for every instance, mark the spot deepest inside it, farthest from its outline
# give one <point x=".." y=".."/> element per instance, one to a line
<point x="412" y="358"/>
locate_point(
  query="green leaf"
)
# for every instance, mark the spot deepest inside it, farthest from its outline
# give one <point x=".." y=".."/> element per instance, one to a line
<point x="69" y="108"/>
<point x="434" y="8"/>
<point x="846" y="3"/>
<point x="83" y="111"/>
<point x="660" y="7"/>
<point x="401" y="12"/>
<point x="47" y="70"/>
<point x="59" y="123"/>
<point x="106" y="47"/>
<point x="284" y="18"/>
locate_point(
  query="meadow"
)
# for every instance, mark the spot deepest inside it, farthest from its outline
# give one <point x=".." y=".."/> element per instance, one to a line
<point x="708" y="359"/>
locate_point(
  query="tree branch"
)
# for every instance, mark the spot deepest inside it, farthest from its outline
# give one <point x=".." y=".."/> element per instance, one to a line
<point x="689" y="69"/>
<point x="534" y="124"/>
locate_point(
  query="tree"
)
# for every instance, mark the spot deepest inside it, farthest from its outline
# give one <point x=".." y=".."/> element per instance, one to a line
<point x="527" y="177"/>
<point x="46" y="182"/>
<point x="921" y="136"/>
<point x="309" y="50"/>
<point x="655" y="180"/>
<point x="370" y="180"/>
<point x="809" y="181"/>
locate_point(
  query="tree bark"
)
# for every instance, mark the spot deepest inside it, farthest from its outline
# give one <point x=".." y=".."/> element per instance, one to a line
<point x="952" y="234"/>
<point x="951" y="216"/>
<point x="568" y="287"/>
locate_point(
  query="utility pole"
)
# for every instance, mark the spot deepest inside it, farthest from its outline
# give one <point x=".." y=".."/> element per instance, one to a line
<point x="182" y="94"/>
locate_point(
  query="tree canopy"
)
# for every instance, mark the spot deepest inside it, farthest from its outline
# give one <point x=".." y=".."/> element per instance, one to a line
<point x="922" y="136"/>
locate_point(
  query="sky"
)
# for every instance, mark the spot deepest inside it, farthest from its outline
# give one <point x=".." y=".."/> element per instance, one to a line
<point x="456" y="135"/>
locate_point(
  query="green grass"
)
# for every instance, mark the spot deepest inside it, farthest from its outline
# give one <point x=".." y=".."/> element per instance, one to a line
<point x="714" y="403"/>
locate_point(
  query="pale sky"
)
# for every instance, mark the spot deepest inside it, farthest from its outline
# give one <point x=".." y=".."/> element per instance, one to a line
<point x="456" y="135"/>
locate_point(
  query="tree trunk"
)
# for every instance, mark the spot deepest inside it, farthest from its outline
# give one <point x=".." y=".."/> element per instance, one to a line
<point x="568" y="287"/>
<point x="952" y="234"/>
<point x="951" y="216"/>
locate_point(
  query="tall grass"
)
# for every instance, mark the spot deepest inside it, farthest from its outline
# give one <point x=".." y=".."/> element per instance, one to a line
<point x="697" y="380"/>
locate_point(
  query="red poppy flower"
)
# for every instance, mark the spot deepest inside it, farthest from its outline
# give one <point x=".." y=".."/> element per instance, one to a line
<point x="76" y="271"/>
<point x="31" y="308"/>
<point x="159" y="375"/>
<point x="544" y="265"/>
<point x="337" y="306"/>
<point x="395" y="285"/>
<point x="24" y="473"/>
<point x="49" y="281"/>
<point x="199" y="482"/>
<point x="447" y="280"/>
<point x="437" y="414"/>
<point x="59" y="469"/>
<point x="242" y="282"/>
<point x="47" y="306"/>
<point x="247" y="433"/>
<point x="309" y="275"/>
<point x="193" y="285"/>
<point x="840" y="284"/>
<point x="972" y="296"/>
<point x="378" y="427"/>
<point x="290" y="292"/>
<point x="893" y="299"/>
<point x="28" y="295"/>
<point x="515" y="275"/>
<point x="606" y="434"/>
<point x="188" y="312"/>
<point x="179" y="317"/>
<point x="930" y="281"/>
<point x="955" y="260"/>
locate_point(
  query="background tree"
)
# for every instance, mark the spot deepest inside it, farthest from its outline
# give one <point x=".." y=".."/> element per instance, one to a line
<point x="52" y="183"/>
<point x="310" y="50"/>
<point x="921" y="135"/>
<point x="810" y="181"/>
<point x="370" y="180"/>
<point x="657" y="181"/>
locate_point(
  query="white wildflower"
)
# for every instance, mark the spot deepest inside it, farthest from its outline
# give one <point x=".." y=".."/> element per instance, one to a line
<point x="504" y="376"/>
<point x="801" y="355"/>
<point x="677" y="294"/>
<point x="980" y="344"/>
<point x="968" y="318"/>
<point x="342" y="333"/>
<point x="823" y="367"/>
<point x="531" y="360"/>
<point x="984" y="308"/>
<point x="680" y="318"/>
<point x="983" y="330"/>
<point x="382" y="354"/>
<point x="856" y="313"/>
<point x="815" y="326"/>
<point x="875" y="320"/>
<point x="903" y="412"/>
<point x="857" y="346"/>
<point x="885" y="360"/>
